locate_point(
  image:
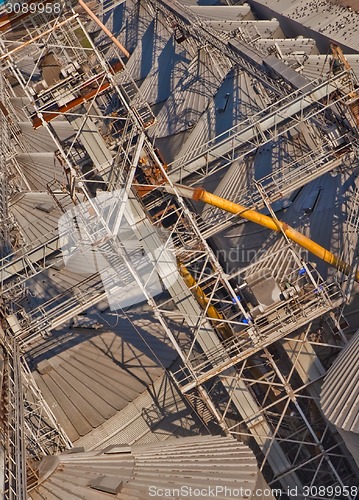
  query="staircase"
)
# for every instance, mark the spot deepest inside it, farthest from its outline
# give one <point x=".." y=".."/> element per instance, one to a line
<point x="199" y="407"/>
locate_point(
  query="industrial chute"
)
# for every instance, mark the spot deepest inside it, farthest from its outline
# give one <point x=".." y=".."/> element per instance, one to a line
<point x="199" y="194"/>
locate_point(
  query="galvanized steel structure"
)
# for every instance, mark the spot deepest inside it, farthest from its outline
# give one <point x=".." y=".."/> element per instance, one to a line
<point x="340" y="396"/>
<point x="253" y="339"/>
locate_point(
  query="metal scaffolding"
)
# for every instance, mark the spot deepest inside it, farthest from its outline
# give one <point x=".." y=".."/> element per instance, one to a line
<point x="252" y="364"/>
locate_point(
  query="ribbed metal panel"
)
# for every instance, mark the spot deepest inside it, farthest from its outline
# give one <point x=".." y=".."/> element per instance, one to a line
<point x="247" y="240"/>
<point x="340" y="391"/>
<point x="252" y="29"/>
<point x="36" y="214"/>
<point x="141" y="58"/>
<point x="19" y="103"/>
<point x="116" y="19"/>
<point x="316" y="65"/>
<point x="209" y="3"/>
<point x="144" y="421"/>
<point x="91" y="375"/>
<point x="169" y="64"/>
<point x="237" y="183"/>
<point x="289" y="46"/>
<point x="200" y="462"/>
<point x="132" y="22"/>
<point x="183" y="109"/>
<point x="221" y="12"/>
<point x="234" y="102"/>
<point x="40" y="140"/>
<point x="40" y="169"/>
<point x="340" y="395"/>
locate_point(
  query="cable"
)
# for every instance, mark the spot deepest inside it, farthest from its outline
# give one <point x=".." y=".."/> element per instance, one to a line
<point x="124" y="313"/>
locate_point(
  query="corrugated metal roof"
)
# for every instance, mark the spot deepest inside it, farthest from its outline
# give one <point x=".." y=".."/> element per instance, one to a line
<point x="249" y="242"/>
<point x="40" y="169"/>
<point x="160" y="61"/>
<point x="197" y="462"/>
<point x="200" y="2"/>
<point x="19" y="104"/>
<point x="183" y="109"/>
<point x="340" y="396"/>
<point x="155" y="415"/>
<point x="251" y="29"/>
<point x="152" y="36"/>
<point x="315" y="66"/>
<point x="286" y="72"/>
<point x="36" y="214"/>
<point x="167" y="70"/>
<point x="50" y="283"/>
<point x="340" y="391"/>
<point x="131" y="22"/>
<point x="235" y="101"/>
<point x="324" y="189"/>
<point x="141" y="59"/>
<point x="88" y="375"/>
<point x="40" y="139"/>
<point x="288" y="45"/>
<point x="28" y="69"/>
<point x="115" y="18"/>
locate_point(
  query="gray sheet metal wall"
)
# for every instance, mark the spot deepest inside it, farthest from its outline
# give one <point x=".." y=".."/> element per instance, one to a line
<point x="340" y="395"/>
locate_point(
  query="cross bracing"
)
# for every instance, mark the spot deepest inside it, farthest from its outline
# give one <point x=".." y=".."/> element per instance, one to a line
<point x="98" y="123"/>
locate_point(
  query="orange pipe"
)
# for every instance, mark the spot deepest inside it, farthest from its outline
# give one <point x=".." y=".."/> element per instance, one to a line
<point x="37" y="37"/>
<point x="265" y="221"/>
<point x="104" y="29"/>
<point x="203" y="301"/>
<point x="274" y="225"/>
<point x="50" y="115"/>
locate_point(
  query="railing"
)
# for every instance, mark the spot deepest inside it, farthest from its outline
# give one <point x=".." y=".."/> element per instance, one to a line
<point x="351" y="241"/>
<point x="306" y="301"/>
<point x="278" y="184"/>
<point x="278" y="109"/>
<point x="31" y="429"/>
<point x="15" y="451"/>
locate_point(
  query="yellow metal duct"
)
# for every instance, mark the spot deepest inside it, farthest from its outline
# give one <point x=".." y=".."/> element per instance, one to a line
<point x="203" y="301"/>
<point x="268" y="222"/>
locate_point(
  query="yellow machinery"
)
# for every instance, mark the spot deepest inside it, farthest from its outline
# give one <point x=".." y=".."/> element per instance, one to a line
<point x="339" y="56"/>
<point x="203" y="301"/>
<point x="200" y="194"/>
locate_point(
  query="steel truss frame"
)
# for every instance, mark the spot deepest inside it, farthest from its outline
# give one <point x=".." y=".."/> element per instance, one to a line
<point x="291" y="405"/>
<point x="204" y="297"/>
<point x="30" y="429"/>
<point x="308" y="105"/>
<point x="288" y="103"/>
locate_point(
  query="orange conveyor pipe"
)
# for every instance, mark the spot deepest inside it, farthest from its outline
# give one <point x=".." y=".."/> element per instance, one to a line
<point x="204" y="301"/>
<point x="268" y="222"/>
